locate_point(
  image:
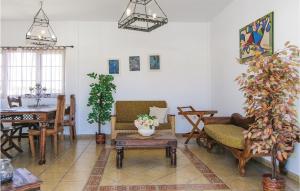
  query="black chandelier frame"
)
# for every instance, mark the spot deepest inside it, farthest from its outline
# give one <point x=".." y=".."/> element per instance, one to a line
<point x="152" y="23"/>
<point x="43" y="23"/>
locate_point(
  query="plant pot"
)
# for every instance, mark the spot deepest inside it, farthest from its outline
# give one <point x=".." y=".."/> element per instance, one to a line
<point x="100" y="138"/>
<point x="270" y="184"/>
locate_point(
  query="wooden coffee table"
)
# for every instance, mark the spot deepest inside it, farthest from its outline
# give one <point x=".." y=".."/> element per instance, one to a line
<point x="158" y="140"/>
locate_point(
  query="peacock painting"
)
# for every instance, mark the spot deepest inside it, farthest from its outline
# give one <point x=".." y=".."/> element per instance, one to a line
<point x="257" y="36"/>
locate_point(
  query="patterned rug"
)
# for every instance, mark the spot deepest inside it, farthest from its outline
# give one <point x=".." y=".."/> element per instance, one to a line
<point x="146" y="171"/>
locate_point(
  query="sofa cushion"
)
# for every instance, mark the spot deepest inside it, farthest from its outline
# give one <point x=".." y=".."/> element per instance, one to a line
<point x="159" y="113"/>
<point x="227" y="134"/>
<point x="130" y="126"/>
<point x="239" y="120"/>
<point x="127" y="111"/>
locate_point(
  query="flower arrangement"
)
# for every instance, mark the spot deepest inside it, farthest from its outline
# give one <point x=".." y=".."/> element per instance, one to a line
<point x="145" y="121"/>
<point x="271" y="87"/>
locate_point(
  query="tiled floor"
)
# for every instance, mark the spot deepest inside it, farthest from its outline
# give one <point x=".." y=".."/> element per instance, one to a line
<point x="70" y="170"/>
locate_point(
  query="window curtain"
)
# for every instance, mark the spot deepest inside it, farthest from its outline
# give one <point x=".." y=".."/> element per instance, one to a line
<point x="24" y="68"/>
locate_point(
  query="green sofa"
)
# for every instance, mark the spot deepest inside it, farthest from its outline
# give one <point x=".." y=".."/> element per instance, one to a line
<point x="127" y="111"/>
<point x="228" y="132"/>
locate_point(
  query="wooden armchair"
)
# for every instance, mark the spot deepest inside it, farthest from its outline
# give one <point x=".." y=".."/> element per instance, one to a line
<point x="228" y="132"/>
<point x="127" y="111"/>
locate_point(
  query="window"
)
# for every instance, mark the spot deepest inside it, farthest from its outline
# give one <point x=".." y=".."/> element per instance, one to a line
<point x="22" y="69"/>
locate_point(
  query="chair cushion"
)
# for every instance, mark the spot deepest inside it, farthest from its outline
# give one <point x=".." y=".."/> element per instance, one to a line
<point x="130" y="126"/>
<point x="127" y="111"/>
<point x="227" y="134"/>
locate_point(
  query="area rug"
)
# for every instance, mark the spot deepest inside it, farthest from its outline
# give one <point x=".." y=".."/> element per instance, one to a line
<point x="149" y="170"/>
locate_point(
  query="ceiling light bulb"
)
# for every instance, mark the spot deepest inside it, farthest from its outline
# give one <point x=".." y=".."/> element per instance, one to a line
<point x="128" y="12"/>
<point x="39" y="36"/>
<point x="29" y="33"/>
<point x="154" y="16"/>
<point x="54" y="37"/>
<point x="43" y="32"/>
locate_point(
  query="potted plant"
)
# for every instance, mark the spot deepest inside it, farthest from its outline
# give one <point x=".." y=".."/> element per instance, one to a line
<point x="101" y="101"/>
<point x="271" y="88"/>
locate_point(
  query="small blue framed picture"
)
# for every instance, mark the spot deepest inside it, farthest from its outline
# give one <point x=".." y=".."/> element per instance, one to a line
<point x="113" y="66"/>
<point x="154" y="62"/>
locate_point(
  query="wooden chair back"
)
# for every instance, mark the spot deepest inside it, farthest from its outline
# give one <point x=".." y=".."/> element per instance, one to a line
<point x="72" y="108"/>
<point x="14" y="101"/>
<point x="60" y="112"/>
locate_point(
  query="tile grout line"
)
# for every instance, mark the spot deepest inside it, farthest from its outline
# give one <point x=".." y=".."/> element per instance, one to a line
<point x="29" y="163"/>
<point x="219" y="184"/>
<point x="55" y="187"/>
<point x="57" y="158"/>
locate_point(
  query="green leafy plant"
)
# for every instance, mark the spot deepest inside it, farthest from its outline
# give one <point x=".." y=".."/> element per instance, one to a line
<point x="100" y="98"/>
<point x="271" y="88"/>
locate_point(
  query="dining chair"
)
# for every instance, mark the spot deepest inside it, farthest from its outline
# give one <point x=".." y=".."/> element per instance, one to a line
<point x="70" y="119"/>
<point x="17" y="102"/>
<point x="7" y="143"/>
<point x="14" y="101"/>
<point x="51" y="131"/>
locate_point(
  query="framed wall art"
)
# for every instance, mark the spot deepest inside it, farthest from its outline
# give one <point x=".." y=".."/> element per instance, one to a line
<point x="134" y="63"/>
<point x="258" y="35"/>
<point x="113" y="66"/>
<point x="154" y="61"/>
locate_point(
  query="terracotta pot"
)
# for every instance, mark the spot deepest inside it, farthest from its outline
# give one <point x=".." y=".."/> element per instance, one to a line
<point x="270" y="184"/>
<point x="100" y="138"/>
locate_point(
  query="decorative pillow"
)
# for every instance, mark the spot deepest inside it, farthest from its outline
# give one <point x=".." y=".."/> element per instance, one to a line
<point x="159" y="113"/>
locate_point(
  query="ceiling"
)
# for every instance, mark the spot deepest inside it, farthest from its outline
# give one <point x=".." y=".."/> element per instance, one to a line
<point x="108" y="10"/>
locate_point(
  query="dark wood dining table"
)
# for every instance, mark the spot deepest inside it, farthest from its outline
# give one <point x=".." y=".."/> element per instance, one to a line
<point x="41" y="115"/>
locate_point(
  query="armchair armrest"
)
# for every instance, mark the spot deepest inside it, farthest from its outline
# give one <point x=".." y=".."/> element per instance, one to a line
<point x="217" y="120"/>
<point x="171" y="120"/>
<point x="113" y="119"/>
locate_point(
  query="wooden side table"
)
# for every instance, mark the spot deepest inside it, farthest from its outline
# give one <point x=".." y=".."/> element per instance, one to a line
<point x="167" y="141"/>
<point x="189" y="111"/>
<point x="23" y="180"/>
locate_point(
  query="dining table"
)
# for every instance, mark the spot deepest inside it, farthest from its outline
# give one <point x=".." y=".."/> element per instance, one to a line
<point x="32" y="114"/>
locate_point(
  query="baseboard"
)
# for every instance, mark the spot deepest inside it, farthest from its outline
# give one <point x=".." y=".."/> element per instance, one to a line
<point x="84" y="136"/>
<point x="290" y="174"/>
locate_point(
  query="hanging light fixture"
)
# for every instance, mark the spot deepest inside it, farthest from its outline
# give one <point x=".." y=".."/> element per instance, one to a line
<point x="40" y="32"/>
<point x="142" y="15"/>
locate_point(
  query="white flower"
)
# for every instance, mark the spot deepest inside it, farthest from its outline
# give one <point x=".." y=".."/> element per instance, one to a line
<point x="137" y="123"/>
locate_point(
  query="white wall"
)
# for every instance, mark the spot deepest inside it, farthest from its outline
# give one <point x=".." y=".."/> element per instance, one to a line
<point x="226" y="97"/>
<point x="184" y="78"/>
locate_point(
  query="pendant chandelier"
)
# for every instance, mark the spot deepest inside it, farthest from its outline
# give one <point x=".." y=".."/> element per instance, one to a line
<point x="142" y="15"/>
<point x="40" y="32"/>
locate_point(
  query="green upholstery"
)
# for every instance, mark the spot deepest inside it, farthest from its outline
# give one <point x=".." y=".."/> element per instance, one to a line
<point x="127" y="111"/>
<point x="130" y="126"/>
<point x="227" y="134"/>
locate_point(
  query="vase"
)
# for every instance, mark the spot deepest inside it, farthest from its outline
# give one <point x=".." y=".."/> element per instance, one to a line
<point x="6" y="170"/>
<point x="269" y="184"/>
<point x="146" y="132"/>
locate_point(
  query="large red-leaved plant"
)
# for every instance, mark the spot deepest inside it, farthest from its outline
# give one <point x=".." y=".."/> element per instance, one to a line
<point x="271" y="88"/>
